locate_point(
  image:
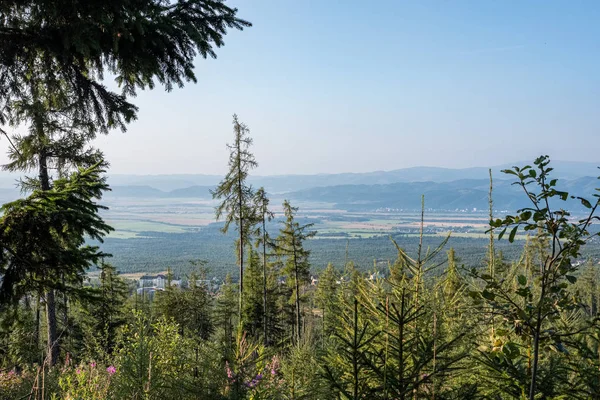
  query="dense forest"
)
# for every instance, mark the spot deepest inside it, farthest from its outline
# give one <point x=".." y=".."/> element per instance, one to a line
<point x="428" y="325"/>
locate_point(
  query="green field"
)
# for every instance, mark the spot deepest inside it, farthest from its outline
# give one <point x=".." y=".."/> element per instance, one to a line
<point x="133" y="219"/>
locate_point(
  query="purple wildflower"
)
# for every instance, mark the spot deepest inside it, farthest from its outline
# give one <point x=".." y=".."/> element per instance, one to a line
<point x="93" y="364"/>
<point x="111" y="370"/>
<point x="78" y="371"/>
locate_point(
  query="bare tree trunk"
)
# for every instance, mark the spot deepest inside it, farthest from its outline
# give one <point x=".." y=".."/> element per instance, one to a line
<point x="297" y="284"/>
<point x="265" y="282"/>
<point x="241" y="250"/>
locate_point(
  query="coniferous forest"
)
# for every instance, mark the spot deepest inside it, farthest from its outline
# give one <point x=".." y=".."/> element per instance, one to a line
<point x="427" y="327"/>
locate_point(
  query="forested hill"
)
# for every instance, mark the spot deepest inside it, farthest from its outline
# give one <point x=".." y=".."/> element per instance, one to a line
<point x="460" y="194"/>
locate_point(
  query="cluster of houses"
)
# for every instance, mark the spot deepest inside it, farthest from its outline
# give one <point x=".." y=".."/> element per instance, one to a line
<point x="150" y="284"/>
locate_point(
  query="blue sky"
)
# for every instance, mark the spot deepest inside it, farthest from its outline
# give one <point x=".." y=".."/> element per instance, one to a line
<point x="352" y="86"/>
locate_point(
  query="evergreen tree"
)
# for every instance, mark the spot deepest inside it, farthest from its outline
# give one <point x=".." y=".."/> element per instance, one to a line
<point x="325" y="296"/>
<point x="189" y="308"/>
<point x="237" y="205"/>
<point x="290" y="244"/>
<point x="73" y="45"/>
<point x="253" y="315"/>
<point x="224" y="312"/>
<point x="42" y="240"/>
<point x="104" y="314"/>
<point x="57" y="140"/>
<point x="263" y="240"/>
<point x="53" y="56"/>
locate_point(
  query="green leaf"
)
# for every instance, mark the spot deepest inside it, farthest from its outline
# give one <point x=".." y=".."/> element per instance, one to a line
<point x="511" y="350"/>
<point x="525" y="215"/>
<point x="488" y="295"/>
<point x="571" y="278"/>
<point x="511" y="237"/>
<point x="501" y="233"/>
<point x="563" y="195"/>
<point x="522" y="280"/>
<point x="585" y="203"/>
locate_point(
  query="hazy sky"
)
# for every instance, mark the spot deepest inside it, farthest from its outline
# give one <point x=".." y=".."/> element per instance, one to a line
<point x="336" y="86"/>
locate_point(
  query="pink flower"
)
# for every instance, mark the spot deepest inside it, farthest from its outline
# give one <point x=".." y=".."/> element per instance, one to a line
<point x="229" y="371"/>
<point x="111" y="370"/>
<point x="78" y="371"/>
<point x="93" y="364"/>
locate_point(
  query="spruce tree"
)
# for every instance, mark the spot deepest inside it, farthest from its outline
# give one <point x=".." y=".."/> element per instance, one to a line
<point x="57" y="143"/>
<point x="42" y="240"/>
<point x="104" y="313"/>
<point x="253" y="313"/>
<point x="224" y="312"/>
<point x="237" y="196"/>
<point x="326" y="296"/>
<point x="72" y="45"/>
<point x="53" y="56"/>
<point x="263" y="240"/>
<point x="290" y="244"/>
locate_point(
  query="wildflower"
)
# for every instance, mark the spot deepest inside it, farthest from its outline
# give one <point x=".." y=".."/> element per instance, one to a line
<point x="78" y="371"/>
<point x="259" y="377"/>
<point x="273" y="372"/>
<point x="93" y="364"/>
<point x="229" y="371"/>
<point x="111" y="370"/>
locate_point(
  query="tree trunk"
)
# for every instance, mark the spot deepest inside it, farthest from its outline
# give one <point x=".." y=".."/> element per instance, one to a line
<point x="36" y="333"/>
<point x="536" y="343"/>
<point x="401" y="348"/>
<point x="265" y="282"/>
<point x="53" y="345"/>
<point x="297" y="284"/>
<point x="241" y="250"/>
<point x="241" y="226"/>
<point x="355" y="355"/>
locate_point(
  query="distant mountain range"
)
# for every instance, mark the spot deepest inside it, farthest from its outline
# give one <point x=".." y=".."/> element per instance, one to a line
<point x="444" y="188"/>
<point x="144" y="191"/>
<point x="463" y="194"/>
<point x="288" y="183"/>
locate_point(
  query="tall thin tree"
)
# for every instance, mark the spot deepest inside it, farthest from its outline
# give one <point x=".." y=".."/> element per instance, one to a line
<point x="263" y="240"/>
<point x="237" y="195"/>
<point x="290" y="244"/>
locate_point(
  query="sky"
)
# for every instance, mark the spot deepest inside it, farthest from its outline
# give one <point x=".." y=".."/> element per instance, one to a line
<point x="330" y="86"/>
